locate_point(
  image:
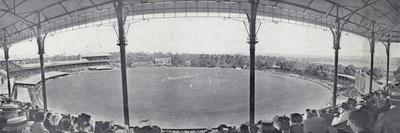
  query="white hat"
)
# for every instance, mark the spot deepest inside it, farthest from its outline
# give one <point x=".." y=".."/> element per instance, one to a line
<point x="16" y="124"/>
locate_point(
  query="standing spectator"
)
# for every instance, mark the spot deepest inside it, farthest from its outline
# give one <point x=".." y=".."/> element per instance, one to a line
<point x="38" y="125"/>
<point x="359" y="121"/>
<point x="388" y="122"/>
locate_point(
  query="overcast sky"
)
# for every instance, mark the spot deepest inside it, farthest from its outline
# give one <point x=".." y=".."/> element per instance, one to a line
<point x="200" y="35"/>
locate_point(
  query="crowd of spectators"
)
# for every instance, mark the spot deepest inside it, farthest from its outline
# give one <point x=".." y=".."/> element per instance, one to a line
<point x="17" y="117"/>
<point x="377" y="112"/>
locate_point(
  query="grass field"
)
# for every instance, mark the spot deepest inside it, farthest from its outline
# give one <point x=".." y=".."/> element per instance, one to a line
<point x="184" y="97"/>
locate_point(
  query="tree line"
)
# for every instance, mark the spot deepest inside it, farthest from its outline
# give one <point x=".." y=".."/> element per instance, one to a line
<point x="285" y="64"/>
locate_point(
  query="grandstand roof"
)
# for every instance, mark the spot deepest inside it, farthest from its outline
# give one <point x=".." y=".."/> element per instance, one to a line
<point x="19" y="17"/>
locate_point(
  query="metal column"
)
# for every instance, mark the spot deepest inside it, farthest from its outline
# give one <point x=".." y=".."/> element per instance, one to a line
<point x="387" y="60"/>
<point x="40" y="42"/>
<point x="372" y="48"/>
<point x="252" y="42"/>
<point x="122" y="43"/>
<point x="6" y="57"/>
<point x="336" y="45"/>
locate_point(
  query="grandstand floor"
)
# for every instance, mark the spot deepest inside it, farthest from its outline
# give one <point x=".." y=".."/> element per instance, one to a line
<point x="184" y="97"/>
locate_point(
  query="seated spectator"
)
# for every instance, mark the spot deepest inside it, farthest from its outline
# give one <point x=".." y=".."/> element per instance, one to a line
<point x="155" y="129"/>
<point x="208" y="130"/>
<point x="359" y="121"/>
<point x="317" y="125"/>
<point x="343" y="117"/>
<point x="389" y="122"/>
<point x="352" y="103"/>
<point x="64" y="126"/>
<point x="282" y="123"/>
<point x="297" y="123"/>
<point x="233" y="129"/>
<point x="222" y="128"/>
<point x="268" y="127"/>
<point x="244" y="129"/>
<point x="310" y="114"/>
<point x="84" y="124"/>
<point x="38" y="125"/>
<point x="50" y="127"/>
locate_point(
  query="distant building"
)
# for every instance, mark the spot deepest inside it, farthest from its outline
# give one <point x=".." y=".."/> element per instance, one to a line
<point x="162" y="61"/>
<point x="362" y="83"/>
<point x="187" y="63"/>
<point x="141" y="64"/>
<point x="96" y="57"/>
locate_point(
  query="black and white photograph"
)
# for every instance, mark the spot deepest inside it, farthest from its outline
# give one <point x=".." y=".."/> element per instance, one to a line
<point x="200" y="66"/>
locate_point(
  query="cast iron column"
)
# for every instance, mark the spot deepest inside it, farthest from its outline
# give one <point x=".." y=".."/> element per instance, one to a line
<point x="252" y="42"/>
<point x="40" y="42"/>
<point x="372" y="47"/>
<point x="336" y="45"/>
<point x="387" y="61"/>
<point x="6" y="57"/>
<point x="122" y="43"/>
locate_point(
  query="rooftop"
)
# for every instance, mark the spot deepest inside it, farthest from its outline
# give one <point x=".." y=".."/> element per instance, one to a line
<point x="18" y="17"/>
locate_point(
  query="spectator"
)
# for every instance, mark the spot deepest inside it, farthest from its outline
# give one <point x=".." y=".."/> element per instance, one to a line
<point x="244" y="129"/>
<point x="359" y="121"/>
<point x="352" y="103"/>
<point x="317" y="125"/>
<point x="297" y="123"/>
<point x="84" y="124"/>
<point x="38" y="125"/>
<point x="51" y="128"/>
<point x="282" y="123"/>
<point x="343" y="117"/>
<point x="64" y="126"/>
<point x="208" y="130"/>
<point x="388" y="122"/>
<point x="155" y="129"/>
<point x="268" y="127"/>
<point x="222" y="128"/>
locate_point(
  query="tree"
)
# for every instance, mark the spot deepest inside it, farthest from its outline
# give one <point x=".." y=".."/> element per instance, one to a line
<point x="350" y="70"/>
<point x="378" y="73"/>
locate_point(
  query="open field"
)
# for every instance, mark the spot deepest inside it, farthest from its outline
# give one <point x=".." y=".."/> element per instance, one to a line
<point x="184" y="97"/>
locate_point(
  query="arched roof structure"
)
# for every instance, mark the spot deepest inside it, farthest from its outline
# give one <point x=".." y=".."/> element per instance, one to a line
<point x="377" y="20"/>
<point x="19" y="17"/>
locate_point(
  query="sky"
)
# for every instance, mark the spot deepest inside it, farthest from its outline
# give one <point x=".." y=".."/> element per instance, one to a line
<point x="200" y="35"/>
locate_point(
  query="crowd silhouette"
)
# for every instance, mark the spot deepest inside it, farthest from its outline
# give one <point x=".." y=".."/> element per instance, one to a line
<point x="377" y="112"/>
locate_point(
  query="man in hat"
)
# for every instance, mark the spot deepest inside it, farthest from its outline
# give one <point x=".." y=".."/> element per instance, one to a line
<point x="389" y="122"/>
